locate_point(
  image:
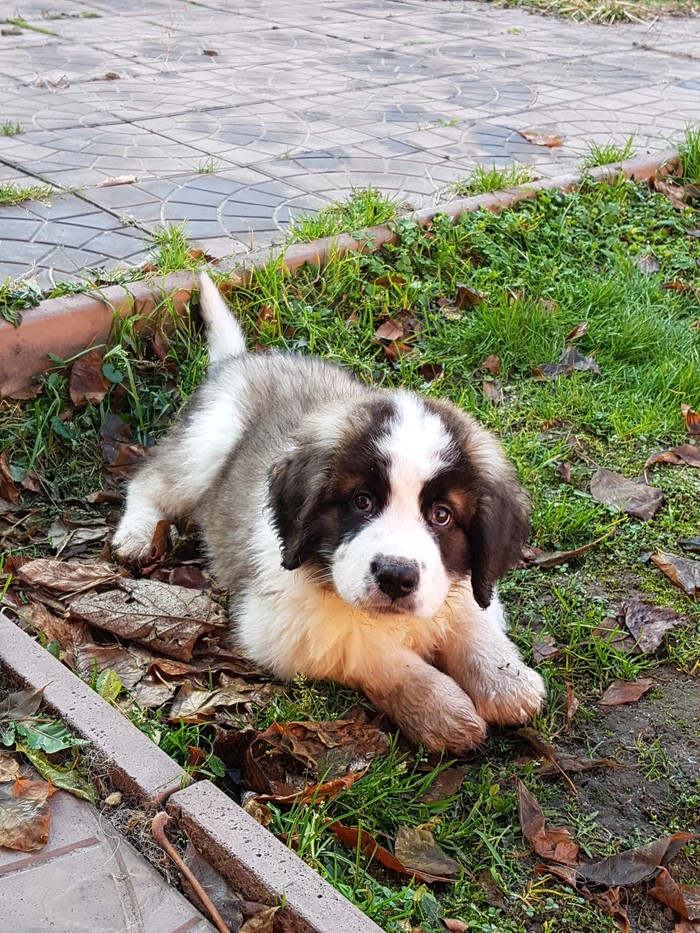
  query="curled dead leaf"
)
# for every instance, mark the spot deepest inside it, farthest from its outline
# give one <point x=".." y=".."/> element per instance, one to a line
<point x="67" y="576"/>
<point x="563" y="471"/>
<point x="417" y="850"/>
<point x="692" y="420"/>
<point x="684" y="899"/>
<point x="647" y="264"/>
<point x="571" y="360"/>
<point x="638" y="864"/>
<point x="682" y="571"/>
<point x="492" y="391"/>
<point x="24" y="815"/>
<point x="577" y="332"/>
<point x="87" y="382"/>
<point x="648" y="624"/>
<point x="8" y="487"/>
<point x="537" y="138"/>
<point x="686" y="453"/>
<point x="370" y="848"/>
<point x="553" y="843"/>
<point x="491" y="364"/>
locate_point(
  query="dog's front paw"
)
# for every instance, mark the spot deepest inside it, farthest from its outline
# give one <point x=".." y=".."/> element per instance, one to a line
<point x="454" y="728"/>
<point x="510" y="695"/>
<point x="133" y="539"/>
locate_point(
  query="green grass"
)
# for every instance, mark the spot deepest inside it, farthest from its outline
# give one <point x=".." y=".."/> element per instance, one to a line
<point x="607" y="12"/>
<point x="543" y="267"/>
<point x="484" y="179"/>
<point x="209" y="166"/>
<point x="365" y="207"/>
<point x="11" y="128"/>
<point x="15" y="194"/>
<point x="608" y="152"/>
<point x="689" y="152"/>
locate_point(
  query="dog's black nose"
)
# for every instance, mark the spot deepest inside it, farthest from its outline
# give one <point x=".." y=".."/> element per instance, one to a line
<point x="396" y="578"/>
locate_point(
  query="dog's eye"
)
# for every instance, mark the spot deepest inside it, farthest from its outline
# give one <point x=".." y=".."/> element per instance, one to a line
<point x="440" y="515"/>
<point x="363" y="502"/>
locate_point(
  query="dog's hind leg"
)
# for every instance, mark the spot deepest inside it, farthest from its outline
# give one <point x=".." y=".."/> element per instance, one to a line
<point x="183" y="465"/>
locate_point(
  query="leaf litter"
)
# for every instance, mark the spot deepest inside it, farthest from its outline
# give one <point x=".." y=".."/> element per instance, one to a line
<point x="626" y="495"/>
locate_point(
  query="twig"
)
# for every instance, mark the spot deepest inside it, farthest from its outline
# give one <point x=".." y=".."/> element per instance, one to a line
<point x="158" y="824"/>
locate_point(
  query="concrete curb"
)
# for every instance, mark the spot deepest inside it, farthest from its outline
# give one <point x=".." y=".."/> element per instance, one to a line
<point x="67" y="326"/>
<point x="259" y="866"/>
<point x="136" y="765"/>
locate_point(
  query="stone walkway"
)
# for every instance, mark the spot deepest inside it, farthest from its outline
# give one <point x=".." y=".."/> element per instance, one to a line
<point x="233" y="117"/>
<point x="88" y="879"/>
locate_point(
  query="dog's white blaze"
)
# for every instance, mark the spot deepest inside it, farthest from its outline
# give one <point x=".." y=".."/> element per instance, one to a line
<point x="417" y="447"/>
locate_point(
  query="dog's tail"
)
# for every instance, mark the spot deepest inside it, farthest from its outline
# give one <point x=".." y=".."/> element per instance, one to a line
<point x="225" y="337"/>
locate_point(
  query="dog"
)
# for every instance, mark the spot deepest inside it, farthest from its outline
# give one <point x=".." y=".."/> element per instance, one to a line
<point x="360" y="533"/>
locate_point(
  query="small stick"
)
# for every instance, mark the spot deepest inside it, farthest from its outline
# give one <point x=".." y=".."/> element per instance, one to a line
<point x="158" y="824"/>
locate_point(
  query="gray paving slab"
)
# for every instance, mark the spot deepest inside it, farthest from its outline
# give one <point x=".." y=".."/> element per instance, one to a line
<point x="89" y="879"/>
<point x="233" y="118"/>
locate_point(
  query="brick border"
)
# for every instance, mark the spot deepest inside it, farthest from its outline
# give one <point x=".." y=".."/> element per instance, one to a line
<point x="67" y="326"/>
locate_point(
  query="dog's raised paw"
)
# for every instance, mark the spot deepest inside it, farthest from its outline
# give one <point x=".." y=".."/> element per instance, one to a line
<point x="133" y="539"/>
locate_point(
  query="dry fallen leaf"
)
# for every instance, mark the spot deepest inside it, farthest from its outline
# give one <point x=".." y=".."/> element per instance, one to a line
<point x="262" y="922"/>
<point x="576" y="332"/>
<point x="370" y="848"/>
<point x="572" y="704"/>
<point x="329" y="749"/>
<point x="686" y="453"/>
<point x="635" y="498"/>
<point x="621" y="692"/>
<point x="194" y="703"/>
<point x="563" y="471"/>
<point x="417" y="850"/>
<point x="25" y="815"/>
<point x="430" y="372"/>
<point x="129" y="662"/>
<point x="553" y="843"/>
<point x="548" y="559"/>
<point x="445" y="785"/>
<point x="647" y="264"/>
<point x="67" y="576"/>
<point x="87" y="382"/>
<point x="467" y="297"/>
<point x="492" y="391"/>
<point x="638" y="864"/>
<point x="648" y="624"/>
<point x="390" y="330"/>
<point x="684" y="899"/>
<point x="692" y="420"/>
<point x="682" y="571"/>
<point x="9" y="768"/>
<point x="168" y="619"/>
<point x="543" y="647"/>
<point x="8" y="488"/>
<point x="121" y="454"/>
<point x="549" y="140"/>
<point x="491" y="364"/>
<point x="571" y="360"/>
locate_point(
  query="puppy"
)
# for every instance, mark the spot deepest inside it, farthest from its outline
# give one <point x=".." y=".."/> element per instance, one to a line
<point x="360" y="533"/>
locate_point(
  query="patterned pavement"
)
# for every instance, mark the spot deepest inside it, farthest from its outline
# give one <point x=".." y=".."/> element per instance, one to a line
<point x="233" y="117"/>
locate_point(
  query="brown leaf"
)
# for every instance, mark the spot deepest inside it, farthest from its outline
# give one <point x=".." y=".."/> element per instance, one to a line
<point x="647" y="264"/>
<point x="608" y="901"/>
<point x="68" y="633"/>
<point x="329" y="749"/>
<point x="121" y="454"/>
<point x="692" y="420"/>
<point x="25" y="815"/>
<point x="21" y="704"/>
<point x="563" y="470"/>
<point x="262" y="922"/>
<point x="687" y="926"/>
<point x="467" y="297"/>
<point x="553" y="843"/>
<point x="680" y="570"/>
<point x="417" y="850"/>
<point x="194" y="703"/>
<point x="549" y="140"/>
<point x="690" y="544"/>
<point x="492" y="391"/>
<point x="259" y="811"/>
<point x="455" y="926"/>
<point x="268" y="321"/>
<point x="543" y="647"/>
<point x="576" y="332"/>
<point x="445" y="785"/>
<point x="8" y="488"/>
<point x="189" y="576"/>
<point x="9" y="768"/>
<point x="648" y="624"/>
<point x="621" y="692"/>
<point x="686" y="453"/>
<point x="572" y="703"/>
<point x="151" y="693"/>
<point x="129" y="662"/>
<point x="390" y="330"/>
<point x="638" y="864"/>
<point x="67" y="576"/>
<point x="168" y="619"/>
<point x="547" y="560"/>
<point x="429" y="372"/>
<point x="386" y="281"/>
<point x="571" y="360"/>
<point x="491" y="364"/>
<point x="370" y="848"/>
<point x="313" y="792"/>
<point x="683" y="898"/>
<point x="87" y="383"/>
<point x="629" y="496"/>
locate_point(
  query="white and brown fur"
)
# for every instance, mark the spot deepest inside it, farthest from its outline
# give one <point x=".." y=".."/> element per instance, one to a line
<point x="360" y="533"/>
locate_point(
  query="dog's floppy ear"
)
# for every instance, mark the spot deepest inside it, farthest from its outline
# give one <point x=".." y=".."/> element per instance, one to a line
<point x="296" y="484"/>
<point x="497" y="534"/>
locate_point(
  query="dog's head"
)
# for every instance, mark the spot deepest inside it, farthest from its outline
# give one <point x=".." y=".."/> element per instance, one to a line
<point x="396" y="500"/>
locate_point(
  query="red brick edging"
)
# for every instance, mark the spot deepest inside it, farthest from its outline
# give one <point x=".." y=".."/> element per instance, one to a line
<point x="67" y="326"/>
